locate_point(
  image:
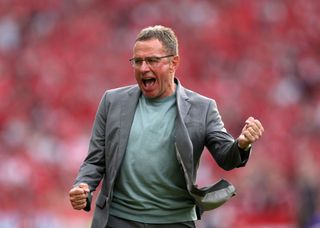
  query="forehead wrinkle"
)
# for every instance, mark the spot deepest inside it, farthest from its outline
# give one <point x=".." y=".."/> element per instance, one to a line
<point x="148" y="48"/>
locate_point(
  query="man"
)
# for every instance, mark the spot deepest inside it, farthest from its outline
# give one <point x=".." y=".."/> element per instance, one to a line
<point x="146" y="144"/>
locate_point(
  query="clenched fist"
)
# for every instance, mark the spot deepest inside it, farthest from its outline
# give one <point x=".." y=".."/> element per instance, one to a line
<point x="78" y="196"/>
<point x="250" y="133"/>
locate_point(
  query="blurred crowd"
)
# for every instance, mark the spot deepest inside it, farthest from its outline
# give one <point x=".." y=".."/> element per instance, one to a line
<point x="259" y="58"/>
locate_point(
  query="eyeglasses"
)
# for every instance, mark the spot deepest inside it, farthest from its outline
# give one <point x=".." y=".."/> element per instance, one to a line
<point x="152" y="61"/>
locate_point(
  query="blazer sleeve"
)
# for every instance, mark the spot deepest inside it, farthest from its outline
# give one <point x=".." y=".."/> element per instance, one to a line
<point x="222" y="146"/>
<point x="93" y="168"/>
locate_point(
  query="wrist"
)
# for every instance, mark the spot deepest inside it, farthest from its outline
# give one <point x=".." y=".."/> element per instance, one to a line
<point x="244" y="147"/>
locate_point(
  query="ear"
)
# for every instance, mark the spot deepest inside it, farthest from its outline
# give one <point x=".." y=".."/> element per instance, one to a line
<point x="174" y="63"/>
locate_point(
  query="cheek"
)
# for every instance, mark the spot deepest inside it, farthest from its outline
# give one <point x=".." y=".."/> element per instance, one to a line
<point x="165" y="77"/>
<point x="163" y="74"/>
<point x="136" y="74"/>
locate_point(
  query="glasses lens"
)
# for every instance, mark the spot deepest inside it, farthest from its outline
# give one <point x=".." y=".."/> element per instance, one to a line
<point x="152" y="61"/>
<point x="136" y="62"/>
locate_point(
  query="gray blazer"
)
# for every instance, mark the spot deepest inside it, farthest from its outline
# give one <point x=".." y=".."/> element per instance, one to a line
<point x="198" y="125"/>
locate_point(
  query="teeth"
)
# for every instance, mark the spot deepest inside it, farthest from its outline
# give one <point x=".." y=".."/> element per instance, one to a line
<point x="148" y="81"/>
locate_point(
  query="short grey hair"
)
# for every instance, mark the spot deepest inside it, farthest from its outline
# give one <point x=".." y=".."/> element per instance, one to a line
<point x="164" y="34"/>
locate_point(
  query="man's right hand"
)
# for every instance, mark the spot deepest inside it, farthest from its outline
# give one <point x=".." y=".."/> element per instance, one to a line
<point x="78" y="196"/>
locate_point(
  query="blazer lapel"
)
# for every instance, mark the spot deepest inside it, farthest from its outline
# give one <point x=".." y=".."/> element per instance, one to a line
<point x="128" y="108"/>
<point x="184" y="148"/>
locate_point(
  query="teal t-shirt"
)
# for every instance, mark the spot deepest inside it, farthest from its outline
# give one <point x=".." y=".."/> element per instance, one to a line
<point x="150" y="187"/>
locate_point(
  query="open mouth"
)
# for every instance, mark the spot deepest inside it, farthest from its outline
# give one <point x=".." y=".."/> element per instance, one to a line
<point x="148" y="82"/>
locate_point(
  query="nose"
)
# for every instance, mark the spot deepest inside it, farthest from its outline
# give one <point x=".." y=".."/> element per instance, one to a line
<point x="144" y="66"/>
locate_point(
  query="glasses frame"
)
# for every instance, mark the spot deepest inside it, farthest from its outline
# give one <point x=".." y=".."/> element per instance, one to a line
<point x="147" y="60"/>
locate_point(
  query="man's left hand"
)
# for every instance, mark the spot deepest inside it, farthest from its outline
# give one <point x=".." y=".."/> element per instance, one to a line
<point x="250" y="133"/>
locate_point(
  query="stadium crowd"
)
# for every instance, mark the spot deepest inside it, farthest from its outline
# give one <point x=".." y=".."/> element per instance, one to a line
<point x="259" y="58"/>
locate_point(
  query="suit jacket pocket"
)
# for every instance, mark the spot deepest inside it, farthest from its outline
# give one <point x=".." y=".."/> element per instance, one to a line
<point x="101" y="201"/>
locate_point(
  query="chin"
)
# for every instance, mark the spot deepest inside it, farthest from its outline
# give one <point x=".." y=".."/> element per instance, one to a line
<point x="150" y="96"/>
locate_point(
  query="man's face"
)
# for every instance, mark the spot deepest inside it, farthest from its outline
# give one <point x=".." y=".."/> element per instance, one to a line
<point x="155" y="81"/>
